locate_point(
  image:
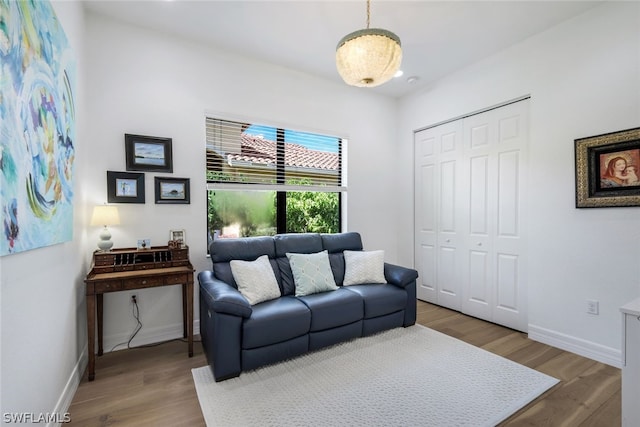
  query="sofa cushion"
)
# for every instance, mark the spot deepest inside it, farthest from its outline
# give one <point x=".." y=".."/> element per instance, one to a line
<point x="339" y="242"/>
<point x="311" y="273"/>
<point x="255" y="357"/>
<point x="337" y="267"/>
<point x="275" y="321"/>
<point x="243" y="248"/>
<point x="223" y="251"/>
<point x="362" y="267"/>
<point x="222" y="271"/>
<point x="300" y="243"/>
<point x="255" y="279"/>
<point x="380" y="300"/>
<point x="335" y="244"/>
<point x="332" y="309"/>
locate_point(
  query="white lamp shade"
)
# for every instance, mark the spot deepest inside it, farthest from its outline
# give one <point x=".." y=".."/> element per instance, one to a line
<point x="105" y="215"/>
<point x="369" y="57"/>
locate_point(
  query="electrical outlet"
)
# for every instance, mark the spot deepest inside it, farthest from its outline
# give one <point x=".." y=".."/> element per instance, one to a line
<point x="134" y="298"/>
<point x="593" y="306"/>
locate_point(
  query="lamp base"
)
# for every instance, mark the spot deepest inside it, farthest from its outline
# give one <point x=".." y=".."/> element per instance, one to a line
<point x="105" y="244"/>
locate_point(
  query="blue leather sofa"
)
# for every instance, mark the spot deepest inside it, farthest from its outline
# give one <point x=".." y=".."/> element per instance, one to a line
<point x="237" y="336"/>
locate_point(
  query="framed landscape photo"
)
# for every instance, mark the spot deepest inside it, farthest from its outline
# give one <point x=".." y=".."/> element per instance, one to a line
<point x="148" y="153"/>
<point x="608" y="170"/>
<point x="125" y="187"/>
<point x="172" y="190"/>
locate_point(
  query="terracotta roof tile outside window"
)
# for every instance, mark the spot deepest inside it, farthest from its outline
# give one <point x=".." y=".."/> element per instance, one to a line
<point x="258" y="150"/>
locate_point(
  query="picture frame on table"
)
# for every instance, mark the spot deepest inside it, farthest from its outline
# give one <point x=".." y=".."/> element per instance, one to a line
<point x="608" y="170"/>
<point x="178" y="238"/>
<point x="148" y="153"/>
<point x="144" y="244"/>
<point x="172" y="190"/>
<point x="125" y="187"/>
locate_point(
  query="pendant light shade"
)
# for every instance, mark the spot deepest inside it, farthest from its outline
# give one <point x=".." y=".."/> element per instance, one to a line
<point x="368" y="57"/>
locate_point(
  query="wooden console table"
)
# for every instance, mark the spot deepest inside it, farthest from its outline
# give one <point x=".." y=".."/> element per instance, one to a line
<point x="129" y="269"/>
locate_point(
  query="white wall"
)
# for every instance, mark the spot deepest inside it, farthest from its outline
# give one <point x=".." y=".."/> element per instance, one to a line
<point x="43" y="314"/>
<point x="150" y="83"/>
<point x="584" y="79"/>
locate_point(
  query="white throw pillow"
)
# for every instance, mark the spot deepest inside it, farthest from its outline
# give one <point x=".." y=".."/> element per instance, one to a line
<point x="363" y="267"/>
<point x="255" y="279"/>
<point x="311" y="273"/>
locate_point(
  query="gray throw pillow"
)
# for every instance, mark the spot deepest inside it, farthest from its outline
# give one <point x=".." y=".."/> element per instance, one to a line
<point x="311" y="273"/>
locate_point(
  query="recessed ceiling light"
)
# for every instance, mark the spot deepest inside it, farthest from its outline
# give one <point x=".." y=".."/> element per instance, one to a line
<point x="413" y="79"/>
<point x="398" y="73"/>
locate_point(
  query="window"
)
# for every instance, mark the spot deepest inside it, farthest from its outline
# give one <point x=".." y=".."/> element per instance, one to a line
<point x="264" y="180"/>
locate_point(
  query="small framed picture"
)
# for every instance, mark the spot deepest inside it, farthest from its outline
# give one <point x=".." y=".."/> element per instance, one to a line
<point x="178" y="238"/>
<point x="148" y="153"/>
<point x="125" y="187"/>
<point x="144" y="244"/>
<point x="172" y="190"/>
<point x="608" y="170"/>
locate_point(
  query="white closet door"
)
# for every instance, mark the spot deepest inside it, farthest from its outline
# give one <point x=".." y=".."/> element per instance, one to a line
<point x="510" y="288"/>
<point x="438" y="214"/>
<point x="470" y="215"/>
<point x="495" y="149"/>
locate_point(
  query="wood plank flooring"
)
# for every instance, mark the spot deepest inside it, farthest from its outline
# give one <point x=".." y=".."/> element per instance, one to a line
<point x="589" y="392"/>
<point x="153" y="386"/>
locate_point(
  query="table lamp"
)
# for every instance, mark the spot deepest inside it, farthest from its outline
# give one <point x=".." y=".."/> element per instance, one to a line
<point x="105" y="215"/>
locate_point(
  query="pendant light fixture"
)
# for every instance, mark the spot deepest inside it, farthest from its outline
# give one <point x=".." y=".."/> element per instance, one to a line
<point x="368" y="57"/>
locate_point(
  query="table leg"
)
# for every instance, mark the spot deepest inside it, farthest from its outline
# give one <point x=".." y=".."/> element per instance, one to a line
<point x="91" y="325"/>
<point x="185" y="333"/>
<point x="99" y="304"/>
<point x="190" y="317"/>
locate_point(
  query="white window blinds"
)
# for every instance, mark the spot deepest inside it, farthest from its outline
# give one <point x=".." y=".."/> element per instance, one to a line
<point x="242" y="154"/>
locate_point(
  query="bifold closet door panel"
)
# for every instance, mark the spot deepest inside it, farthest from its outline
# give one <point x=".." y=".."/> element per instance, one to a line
<point x="438" y="214"/>
<point x="469" y="209"/>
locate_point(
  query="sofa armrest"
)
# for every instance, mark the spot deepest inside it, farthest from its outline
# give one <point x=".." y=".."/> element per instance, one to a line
<point x="399" y="276"/>
<point x="222" y="297"/>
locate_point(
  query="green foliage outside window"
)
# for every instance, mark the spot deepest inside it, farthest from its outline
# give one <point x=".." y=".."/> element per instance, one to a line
<point x="255" y="212"/>
<point x="311" y="212"/>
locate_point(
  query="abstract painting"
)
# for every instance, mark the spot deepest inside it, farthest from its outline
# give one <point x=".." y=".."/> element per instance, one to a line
<point x="37" y="127"/>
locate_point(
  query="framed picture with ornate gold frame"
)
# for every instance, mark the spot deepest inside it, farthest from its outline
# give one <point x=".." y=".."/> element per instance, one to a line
<point x="608" y="170"/>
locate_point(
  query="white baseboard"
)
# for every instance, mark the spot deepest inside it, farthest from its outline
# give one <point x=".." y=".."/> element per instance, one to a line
<point x="145" y="336"/>
<point x="591" y="350"/>
<point x="69" y="391"/>
<point x="148" y="336"/>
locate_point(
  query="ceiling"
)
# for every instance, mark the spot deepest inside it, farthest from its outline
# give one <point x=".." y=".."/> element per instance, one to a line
<point x="438" y="37"/>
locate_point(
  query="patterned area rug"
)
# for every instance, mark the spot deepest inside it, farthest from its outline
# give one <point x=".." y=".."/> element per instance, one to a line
<point x="403" y="377"/>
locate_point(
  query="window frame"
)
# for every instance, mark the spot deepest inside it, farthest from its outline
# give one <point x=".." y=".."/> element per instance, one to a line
<point x="280" y="186"/>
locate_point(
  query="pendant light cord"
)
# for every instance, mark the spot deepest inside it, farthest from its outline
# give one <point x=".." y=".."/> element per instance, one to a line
<point x="368" y="13"/>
